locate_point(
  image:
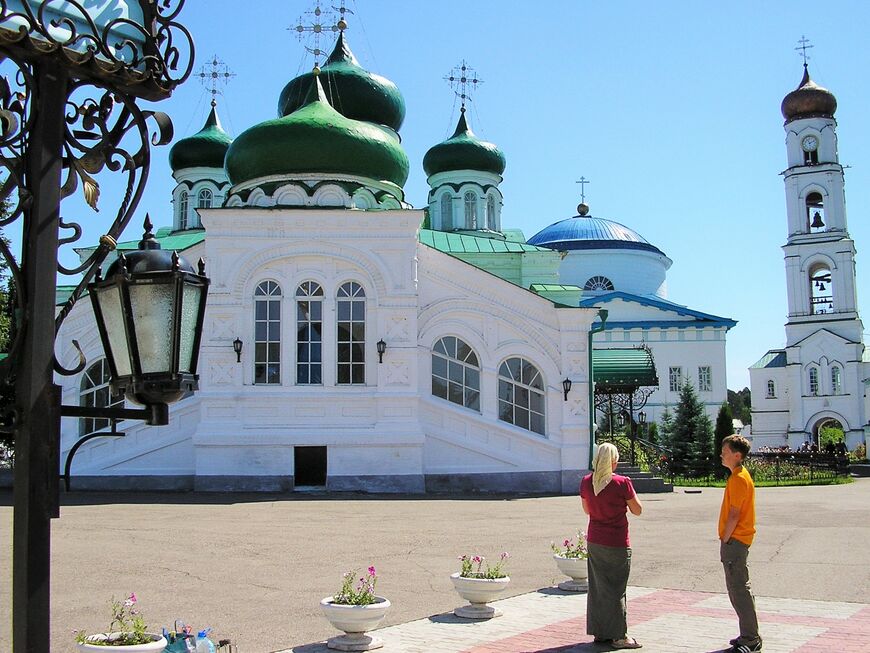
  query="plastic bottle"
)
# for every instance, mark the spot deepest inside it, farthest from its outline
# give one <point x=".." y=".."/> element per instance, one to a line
<point x="203" y="643"/>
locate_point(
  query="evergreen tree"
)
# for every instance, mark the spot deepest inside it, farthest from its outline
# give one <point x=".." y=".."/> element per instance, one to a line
<point x="741" y="405"/>
<point x="667" y="426"/>
<point x="703" y="460"/>
<point x="724" y="428"/>
<point x="685" y="429"/>
<point x="652" y="433"/>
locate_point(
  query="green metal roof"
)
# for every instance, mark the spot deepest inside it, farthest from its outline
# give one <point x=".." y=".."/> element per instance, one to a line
<point x="205" y="148"/>
<point x="452" y="243"/>
<point x="773" y="358"/>
<point x="177" y="241"/>
<point x="463" y="151"/>
<point x="623" y="369"/>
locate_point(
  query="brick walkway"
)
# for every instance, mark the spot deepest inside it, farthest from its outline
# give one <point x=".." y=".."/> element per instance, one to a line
<point x="664" y="621"/>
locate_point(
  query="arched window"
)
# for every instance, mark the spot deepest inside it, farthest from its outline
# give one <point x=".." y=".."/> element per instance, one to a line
<point x="521" y="395"/>
<point x="446" y="212"/>
<point x="267" y="334"/>
<point x="598" y="283"/>
<point x="309" y="334"/>
<point x="470" y="210"/>
<point x="815" y="213"/>
<point x="204" y="199"/>
<point x="351" y="334"/>
<point x="456" y="373"/>
<point x="836" y="381"/>
<point x="771" y="389"/>
<point x="490" y="213"/>
<point x="821" y="290"/>
<point x="814" y="381"/>
<point x="183" y="208"/>
<point x="95" y="393"/>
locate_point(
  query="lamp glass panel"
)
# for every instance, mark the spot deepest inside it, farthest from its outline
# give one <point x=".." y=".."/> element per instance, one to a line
<point x="109" y="299"/>
<point x="153" y="312"/>
<point x="190" y="299"/>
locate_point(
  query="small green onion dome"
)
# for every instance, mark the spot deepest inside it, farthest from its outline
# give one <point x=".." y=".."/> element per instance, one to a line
<point x="207" y="148"/>
<point x="352" y="91"/>
<point x="463" y="151"/>
<point x="808" y="100"/>
<point x="317" y="139"/>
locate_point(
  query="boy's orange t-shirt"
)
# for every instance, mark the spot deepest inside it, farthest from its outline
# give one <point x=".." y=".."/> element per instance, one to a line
<point x="739" y="493"/>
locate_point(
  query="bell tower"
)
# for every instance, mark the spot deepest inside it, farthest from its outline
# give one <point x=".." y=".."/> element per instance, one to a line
<point x="819" y="255"/>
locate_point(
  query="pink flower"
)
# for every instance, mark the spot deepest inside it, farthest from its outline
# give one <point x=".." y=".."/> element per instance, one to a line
<point x="462" y="557"/>
<point x="477" y="559"/>
<point x="505" y="555"/>
<point x="371" y="571"/>
<point x="567" y="543"/>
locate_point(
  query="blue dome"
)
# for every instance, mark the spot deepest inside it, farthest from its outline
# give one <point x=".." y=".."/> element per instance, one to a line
<point x="587" y="232"/>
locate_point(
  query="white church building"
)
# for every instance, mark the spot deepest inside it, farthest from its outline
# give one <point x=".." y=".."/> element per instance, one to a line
<point x="383" y="347"/>
<point x="819" y="377"/>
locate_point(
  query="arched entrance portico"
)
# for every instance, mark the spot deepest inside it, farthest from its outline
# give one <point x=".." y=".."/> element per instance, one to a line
<point x="824" y="426"/>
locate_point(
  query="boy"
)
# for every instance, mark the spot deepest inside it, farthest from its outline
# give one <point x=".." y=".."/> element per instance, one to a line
<point x="736" y="531"/>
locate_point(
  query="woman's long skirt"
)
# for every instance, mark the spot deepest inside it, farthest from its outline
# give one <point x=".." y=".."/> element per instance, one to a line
<point x="609" y="567"/>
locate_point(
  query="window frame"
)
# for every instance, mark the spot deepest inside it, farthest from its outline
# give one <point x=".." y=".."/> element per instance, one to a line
<point x="183" y="209"/>
<point x="836" y="380"/>
<point x="309" y="348"/>
<point x="99" y="387"/>
<point x="446" y="211"/>
<point x="355" y="347"/>
<point x="507" y="395"/>
<point x="453" y="363"/>
<point x="470" y="203"/>
<point x="813" y="381"/>
<point x="267" y="350"/>
<point x="771" y="389"/>
<point x="675" y="387"/>
<point x="705" y="385"/>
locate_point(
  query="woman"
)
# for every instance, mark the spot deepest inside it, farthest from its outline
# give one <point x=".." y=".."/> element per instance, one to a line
<point x="606" y="496"/>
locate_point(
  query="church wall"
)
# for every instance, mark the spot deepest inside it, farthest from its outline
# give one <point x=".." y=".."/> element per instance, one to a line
<point x="687" y="348"/>
<point x="636" y="271"/>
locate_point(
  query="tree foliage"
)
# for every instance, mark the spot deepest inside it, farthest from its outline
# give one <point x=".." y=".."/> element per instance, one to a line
<point x="691" y="438"/>
<point x="741" y="405"/>
<point x="724" y="428"/>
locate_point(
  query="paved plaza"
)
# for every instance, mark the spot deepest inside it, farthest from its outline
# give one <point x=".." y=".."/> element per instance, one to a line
<point x="254" y="567"/>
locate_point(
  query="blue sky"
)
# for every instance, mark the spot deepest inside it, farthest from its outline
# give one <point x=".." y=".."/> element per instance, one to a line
<point x="671" y="109"/>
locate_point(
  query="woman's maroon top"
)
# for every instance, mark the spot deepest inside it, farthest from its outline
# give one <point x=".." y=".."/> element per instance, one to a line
<point x="608" y="523"/>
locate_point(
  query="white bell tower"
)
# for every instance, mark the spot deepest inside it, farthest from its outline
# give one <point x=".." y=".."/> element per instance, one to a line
<point x="817" y="380"/>
<point x="819" y="255"/>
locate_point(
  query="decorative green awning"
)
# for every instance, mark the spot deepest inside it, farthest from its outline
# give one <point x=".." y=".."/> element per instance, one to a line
<point x="623" y="370"/>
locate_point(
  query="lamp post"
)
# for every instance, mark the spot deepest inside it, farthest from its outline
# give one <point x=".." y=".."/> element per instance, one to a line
<point x="602" y="313"/>
<point x="566" y="387"/>
<point x="382" y="347"/>
<point x="71" y="75"/>
<point x="237" y="347"/>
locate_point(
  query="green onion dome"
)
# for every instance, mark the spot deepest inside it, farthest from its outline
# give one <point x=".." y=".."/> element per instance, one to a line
<point x="463" y="151"/>
<point x="808" y="100"/>
<point x="317" y="139"/>
<point x="207" y="148"/>
<point x="353" y="91"/>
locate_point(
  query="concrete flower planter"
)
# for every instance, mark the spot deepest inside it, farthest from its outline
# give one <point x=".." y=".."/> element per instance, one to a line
<point x="355" y="621"/>
<point x="478" y="592"/>
<point x="157" y="644"/>
<point x="575" y="568"/>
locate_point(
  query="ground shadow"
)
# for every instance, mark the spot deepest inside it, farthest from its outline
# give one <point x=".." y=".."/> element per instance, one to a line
<point x="582" y="647"/>
<point x="450" y="618"/>
<point x="317" y="647"/>
<point x="169" y="497"/>
<point x="555" y="591"/>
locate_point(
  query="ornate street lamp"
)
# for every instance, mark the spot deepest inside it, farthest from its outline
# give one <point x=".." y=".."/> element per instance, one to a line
<point x="382" y="347"/>
<point x="237" y="347"/>
<point x="149" y="311"/>
<point x="566" y="387"/>
<point x="71" y="72"/>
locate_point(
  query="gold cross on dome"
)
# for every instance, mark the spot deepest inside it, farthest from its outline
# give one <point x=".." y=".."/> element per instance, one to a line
<point x="803" y="47"/>
<point x="464" y="81"/>
<point x="213" y="75"/>
<point x="583" y="181"/>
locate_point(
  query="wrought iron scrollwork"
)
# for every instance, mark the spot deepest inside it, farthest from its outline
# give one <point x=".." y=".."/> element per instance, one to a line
<point x="149" y="64"/>
<point x="110" y="66"/>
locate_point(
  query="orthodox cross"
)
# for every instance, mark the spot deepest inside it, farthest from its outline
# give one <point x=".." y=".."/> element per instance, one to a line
<point x="803" y="47"/>
<point x="583" y="181"/>
<point x="463" y="80"/>
<point x="319" y="21"/>
<point x="214" y="74"/>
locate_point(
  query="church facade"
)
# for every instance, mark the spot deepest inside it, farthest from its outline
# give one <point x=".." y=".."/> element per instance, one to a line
<point x="353" y="342"/>
<point x="819" y="377"/>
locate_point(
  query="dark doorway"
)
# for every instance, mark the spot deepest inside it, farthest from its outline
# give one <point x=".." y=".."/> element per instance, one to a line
<point x="310" y="466"/>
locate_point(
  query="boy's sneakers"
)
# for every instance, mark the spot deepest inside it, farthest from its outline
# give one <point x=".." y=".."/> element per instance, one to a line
<point x="745" y="647"/>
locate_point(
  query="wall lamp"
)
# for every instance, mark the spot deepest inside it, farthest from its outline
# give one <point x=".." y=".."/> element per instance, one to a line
<point x="237" y="347"/>
<point x="566" y="386"/>
<point x="382" y="347"/>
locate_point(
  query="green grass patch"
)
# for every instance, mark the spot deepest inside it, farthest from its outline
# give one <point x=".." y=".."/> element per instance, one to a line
<point x="680" y="481"/>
